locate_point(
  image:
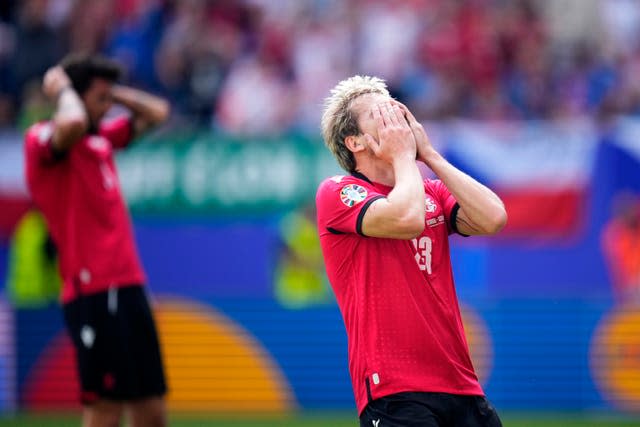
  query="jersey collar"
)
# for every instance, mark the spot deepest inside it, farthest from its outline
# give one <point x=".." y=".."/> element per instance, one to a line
<point x="361" y="176"/>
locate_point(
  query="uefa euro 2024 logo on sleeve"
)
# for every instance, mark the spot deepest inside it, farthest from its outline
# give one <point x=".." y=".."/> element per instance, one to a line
<point x="352" y="194"/>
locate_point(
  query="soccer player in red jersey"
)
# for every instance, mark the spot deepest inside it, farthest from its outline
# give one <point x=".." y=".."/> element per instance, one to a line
<point x="384" y="236"/>
<point x="72" y="178"/>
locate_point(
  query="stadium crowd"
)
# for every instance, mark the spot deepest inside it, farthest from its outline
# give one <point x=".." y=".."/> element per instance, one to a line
<point x="263" y="66"/>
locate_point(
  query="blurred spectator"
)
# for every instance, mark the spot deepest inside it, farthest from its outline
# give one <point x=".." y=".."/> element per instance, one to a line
<point x="7" y="46"/>
<point x="201" y="41"/>
<point x="37" y="45"/>
<point x="135" y="38"/>
<point x="35" y="106"/>
<point x="256" y="99"/>
<point x="621" y="21"/>
<point x="572" y="22"/>
<point x="387" y="35"/>
<point x="321" y="56"/>
<point x="90" y="24"/>
<point x="259" y="97"/>
<point x="252" y="66"/>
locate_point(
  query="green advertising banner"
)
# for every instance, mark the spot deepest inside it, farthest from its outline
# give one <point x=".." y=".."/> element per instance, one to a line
<point x="213" y="174"/>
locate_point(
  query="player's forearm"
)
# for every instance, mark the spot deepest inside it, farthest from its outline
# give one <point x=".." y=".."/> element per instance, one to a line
<point x="482" y="208"/>
<point x="407" y="197"/>
<point x="144" y="106"/>
<point x="70" y="119"/>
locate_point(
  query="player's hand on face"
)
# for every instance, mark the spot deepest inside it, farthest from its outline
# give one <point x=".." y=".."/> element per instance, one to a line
<point x="423" y="143"/>
<point x="395" y="138"/>
<point x="55" y="81"/>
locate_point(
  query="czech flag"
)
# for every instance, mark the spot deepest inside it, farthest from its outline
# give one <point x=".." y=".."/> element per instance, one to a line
<point x="541" y="170"/>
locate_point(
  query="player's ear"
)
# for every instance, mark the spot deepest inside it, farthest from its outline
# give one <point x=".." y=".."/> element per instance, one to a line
<point x="354" y="143"/>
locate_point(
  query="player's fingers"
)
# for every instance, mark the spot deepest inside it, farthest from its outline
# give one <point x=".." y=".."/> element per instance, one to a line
<point x="54" y="71"/>
<point x="410" y="118"/>
<point x="377" y="116"/>
<point x="48" y="81"/>
<point x="391" y="114"/>
<point x="49" y="74"/>
<point x="370" y="142"/>
<point x="400" y="115"/>
<point x="400" y="105"/>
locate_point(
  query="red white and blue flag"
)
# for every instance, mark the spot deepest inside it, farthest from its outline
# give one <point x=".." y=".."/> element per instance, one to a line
<point x="542" y="171"/>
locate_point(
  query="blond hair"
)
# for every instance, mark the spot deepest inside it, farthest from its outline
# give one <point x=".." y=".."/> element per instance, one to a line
<point x="338" y="119"/>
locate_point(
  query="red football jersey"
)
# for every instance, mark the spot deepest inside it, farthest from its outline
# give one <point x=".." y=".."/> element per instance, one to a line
<point x="397" y="297"/>
<point x="79" y="195"/>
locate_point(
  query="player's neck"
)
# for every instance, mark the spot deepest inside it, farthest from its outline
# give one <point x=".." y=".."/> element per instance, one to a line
<point x="378" y="171"/>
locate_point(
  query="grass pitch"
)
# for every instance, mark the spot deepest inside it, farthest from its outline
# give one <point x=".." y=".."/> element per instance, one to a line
<point x="330" y="419"/>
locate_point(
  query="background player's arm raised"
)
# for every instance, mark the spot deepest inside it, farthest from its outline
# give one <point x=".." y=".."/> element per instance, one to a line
<point x="70" y="118"/>
<point x="148" y="110"/>
<point x="481" y="210"/>
<point x="401" y="214"/>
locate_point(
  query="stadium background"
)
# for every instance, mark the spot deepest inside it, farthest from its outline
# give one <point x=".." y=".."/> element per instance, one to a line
<point x="538" y="99"/>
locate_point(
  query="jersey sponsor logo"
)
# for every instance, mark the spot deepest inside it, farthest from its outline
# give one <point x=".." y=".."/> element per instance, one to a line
<point x="432" y="222"/>
<point x="431" y="206"/>
<point x="352" y="194"/>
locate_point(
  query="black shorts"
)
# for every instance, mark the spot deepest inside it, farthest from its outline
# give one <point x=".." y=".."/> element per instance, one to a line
<point x="117" y="349"/>
<point x="429" y="410"/>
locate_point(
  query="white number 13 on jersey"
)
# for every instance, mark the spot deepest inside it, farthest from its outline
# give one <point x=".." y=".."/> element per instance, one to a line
<point x="423" y="253"/>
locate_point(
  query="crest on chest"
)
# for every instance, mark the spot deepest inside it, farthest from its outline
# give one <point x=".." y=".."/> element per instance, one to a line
<point x="98" y="144"/>
<point x="434" y="215"/>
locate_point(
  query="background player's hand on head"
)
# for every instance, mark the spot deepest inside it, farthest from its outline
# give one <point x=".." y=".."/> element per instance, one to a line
<point x="423" y="143"/>
<point x="55" y="81"/>
<point x="395" y="138"/>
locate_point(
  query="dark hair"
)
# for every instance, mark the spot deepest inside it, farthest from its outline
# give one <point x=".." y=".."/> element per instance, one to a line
<point x="83" y="68"/>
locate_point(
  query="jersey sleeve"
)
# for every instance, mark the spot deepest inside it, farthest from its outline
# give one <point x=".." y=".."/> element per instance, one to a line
<point x="341" y="205"/>
<point x="39" y="150"/>
<point x="448" y="202"/>
<point x="118" y="131"/>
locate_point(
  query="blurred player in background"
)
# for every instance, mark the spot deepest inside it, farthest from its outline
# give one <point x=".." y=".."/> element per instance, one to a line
<point x="72" y="178"/>
<point x="384" y="235"/>
<point x="621" y="247"/>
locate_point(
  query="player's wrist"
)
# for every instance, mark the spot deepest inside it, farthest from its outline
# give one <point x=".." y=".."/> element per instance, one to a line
<point x="401" y="161"/>
<point x="61" y="91"/>
<point x="429" y="157"/>
<point x="121" y="93"/>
